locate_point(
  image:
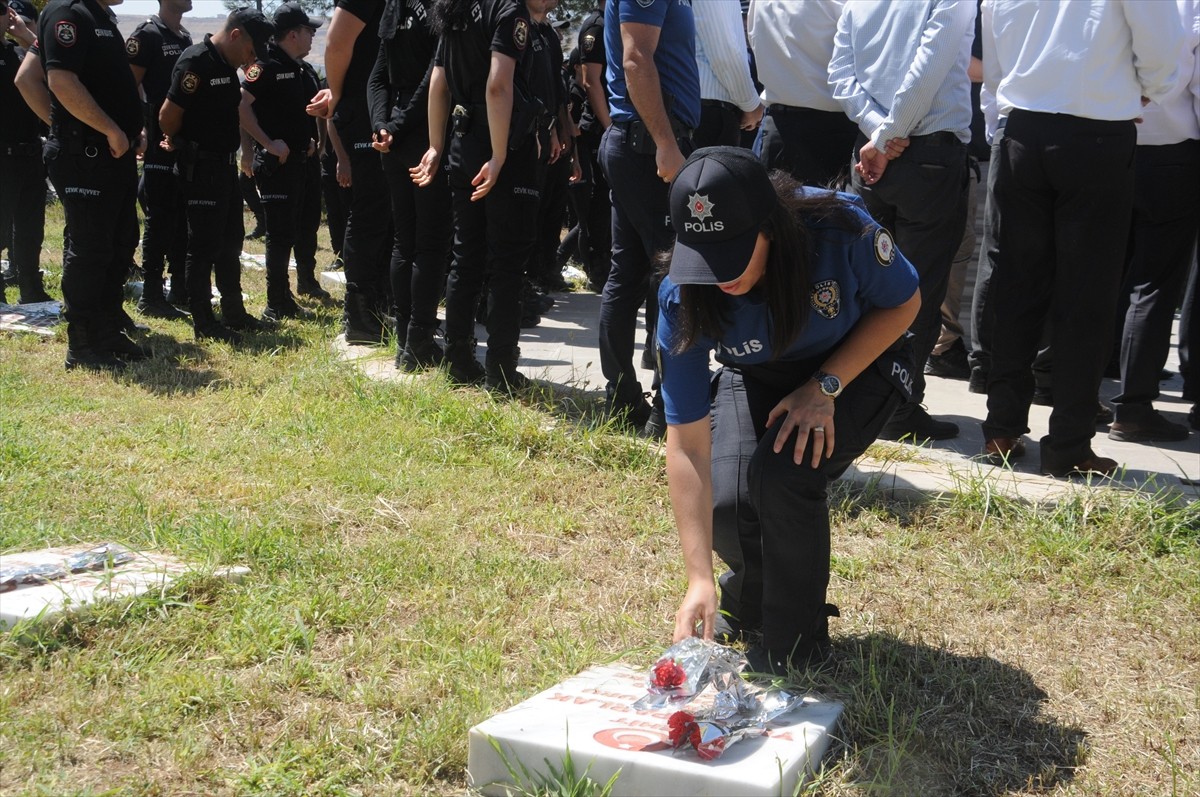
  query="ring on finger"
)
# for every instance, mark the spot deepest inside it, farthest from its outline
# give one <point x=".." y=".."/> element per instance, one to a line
<point x="820" y="429"/>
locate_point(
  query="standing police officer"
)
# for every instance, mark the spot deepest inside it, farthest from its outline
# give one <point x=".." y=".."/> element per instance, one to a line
<point x="350" y="51"/>
<point x="399" y="99"/>
<point x="153" y="49"/>
<point x="199" y="121"/>
<point x="275" y="93"/>
<point x="22" y="173"/>
<point x="95" y="131"/>
<point x="654" y="88"/>
<point x="493" y="178"/>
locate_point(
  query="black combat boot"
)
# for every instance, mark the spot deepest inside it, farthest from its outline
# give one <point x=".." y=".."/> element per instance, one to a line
<point x="32" y="289"/>
<point x="361" y="323"/>
<point x="502" y="375"/>
<point x="207" y="326"/>
<point x="420" y="351"/>
<point x="80" y="353"/>
<point x="153" y="302"/>
<point x="462" y="367"/>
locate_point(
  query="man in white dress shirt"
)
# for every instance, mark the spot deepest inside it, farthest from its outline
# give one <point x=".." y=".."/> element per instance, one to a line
<point x="1069" y="80"/>
<point x="805" y="132"/>
<point x="729" y="102"/>
<point x="899" y="71"/>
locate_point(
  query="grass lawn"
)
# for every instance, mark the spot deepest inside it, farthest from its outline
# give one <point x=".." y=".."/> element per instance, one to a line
<point x="423" y="557"/>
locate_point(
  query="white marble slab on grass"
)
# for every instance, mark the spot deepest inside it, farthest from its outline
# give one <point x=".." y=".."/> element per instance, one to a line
<point x="145" y="573"/>
<point x="40" y="318"/>
<point x="591" y="714"/>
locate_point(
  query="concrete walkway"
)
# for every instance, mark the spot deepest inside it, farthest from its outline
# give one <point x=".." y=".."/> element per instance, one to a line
<point x="562" y="350"/>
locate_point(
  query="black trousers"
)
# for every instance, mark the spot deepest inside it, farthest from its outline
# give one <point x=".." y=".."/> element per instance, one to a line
<point x="421" y="230"/>
<point x="1064" y="185"/>
<point x="249" y="190"/>
<point x="641" y="227"/>
<point x="590" y="240"/>
<point x="813" y="146"/>
<point x="292" y="212"/>
<point x="493" y="238"/>
<point x="23" y="209"/>
<point x="1166" y="221"/>
<point x="922" y="199"/>
<point x="99" y="196"/>
<point x="164" y="239"/>
<point x="770" y="515"/>
<point x="718" y="125"/>
<point x="337" y="202"/>
<point x="552" y="210"/>
<point x="1189" y="337"/>
<point x="215" y="233"/>
<point x="366" y="245"/>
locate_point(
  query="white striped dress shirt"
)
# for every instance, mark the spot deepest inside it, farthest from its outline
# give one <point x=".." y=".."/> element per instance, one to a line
<point x="721" y="54"/>
<point x="792" y="42"/>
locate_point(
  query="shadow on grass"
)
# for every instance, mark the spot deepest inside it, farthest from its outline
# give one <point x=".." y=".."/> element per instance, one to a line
<point x="181" y="367"/>
<point x="924" y="720"/>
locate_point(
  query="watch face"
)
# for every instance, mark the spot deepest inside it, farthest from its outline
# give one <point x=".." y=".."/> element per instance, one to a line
<point x="830" y="385"/>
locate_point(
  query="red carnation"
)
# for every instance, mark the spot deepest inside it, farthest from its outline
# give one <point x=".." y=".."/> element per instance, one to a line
<point x="681" y="725"/>
<point x="668" y="674"/>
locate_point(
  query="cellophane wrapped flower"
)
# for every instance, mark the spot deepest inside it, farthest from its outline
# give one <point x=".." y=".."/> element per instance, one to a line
<point x="737" y="709"/>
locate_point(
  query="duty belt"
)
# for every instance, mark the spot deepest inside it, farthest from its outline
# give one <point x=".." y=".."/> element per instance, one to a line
<point x="678" y="128"/>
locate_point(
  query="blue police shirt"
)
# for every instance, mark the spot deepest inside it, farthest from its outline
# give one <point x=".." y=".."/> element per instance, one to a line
<point x="852" y="272"/>
<point x="675" y="58"/>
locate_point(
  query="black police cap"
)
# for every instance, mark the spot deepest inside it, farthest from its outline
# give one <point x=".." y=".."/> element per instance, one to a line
<point x="292" y="15"/>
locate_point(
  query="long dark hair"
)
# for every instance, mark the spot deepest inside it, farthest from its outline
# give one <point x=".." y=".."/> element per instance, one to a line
<point x="785" y="282"/>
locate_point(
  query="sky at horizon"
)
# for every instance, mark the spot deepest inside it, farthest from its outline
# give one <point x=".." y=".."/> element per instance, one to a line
<point x="200" y="8"/>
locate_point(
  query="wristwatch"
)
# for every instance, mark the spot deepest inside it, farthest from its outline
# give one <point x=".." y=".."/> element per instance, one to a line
<point x="830" y="385"/>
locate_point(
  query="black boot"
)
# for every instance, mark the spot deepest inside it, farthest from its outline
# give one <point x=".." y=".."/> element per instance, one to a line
<point x="32" y="289"/>
<point x="207" y="326"/>
<point x="153" y="302"/>
<point x="80" y="353"/>
<point x="463" y="368"/>
<point x="420" y="351"/>
<point x="307" y="285"/>
<point x="235" y="316"/>
<point x="502" y="375"/>
<point x="362" y="325"/>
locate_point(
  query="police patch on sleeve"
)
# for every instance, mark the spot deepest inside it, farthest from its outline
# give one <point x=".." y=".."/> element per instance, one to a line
<point x="253" y="73"/>
<point x="885" y="247"/>
<point x="65" y="33"/>
<point x="520" y="33"/>
<point x="827" y="298"/>
<point x="589" y="41"/>
<point x="190" y="82"/>
<point x="132" y="46"/>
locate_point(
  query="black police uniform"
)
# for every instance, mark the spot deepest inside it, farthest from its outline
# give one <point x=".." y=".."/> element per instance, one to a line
<point x="365" y="250"/>
<point x="594" y="210"/>
<point x="546" y="83"/>
<point x="22" y="180"/>
<point x="290" y="192"/>
<point x="208" y="91"/>
<point x="336" y="198"/>
<point x="155" y="47"/>
<point x="421" y="220"/>
<point x="98" y="191"/>
<point x="493" y="236"/>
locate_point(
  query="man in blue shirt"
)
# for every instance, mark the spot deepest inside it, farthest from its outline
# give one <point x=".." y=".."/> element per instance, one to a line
<point x="654" y="100"/>
<point x="900" y="72"/>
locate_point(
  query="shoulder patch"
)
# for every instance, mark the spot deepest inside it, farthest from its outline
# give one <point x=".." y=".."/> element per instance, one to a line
<point x="827" y="298"/>
<point x="190" y="82"/>
<point x="885" y="247"/>
<point x="65" y="33"/>
<point x="645" y="3"/>
<point x="589" y="41"/>
<point x="253" y="73"/>
<point x="132" y="46"/>
<point x="520" y="33"/>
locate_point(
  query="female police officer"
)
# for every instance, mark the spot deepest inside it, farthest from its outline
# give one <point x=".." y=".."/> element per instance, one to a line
<point x="803" y="299"/>
<point x="479" y="77"/>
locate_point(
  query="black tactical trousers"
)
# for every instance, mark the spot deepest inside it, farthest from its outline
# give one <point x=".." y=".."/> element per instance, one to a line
<point x="215" y="233"/>
<point x="291" y="200"/>
<point x="23" y="208"/>
<point x="164" y="239"/>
